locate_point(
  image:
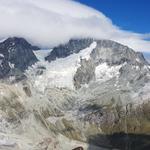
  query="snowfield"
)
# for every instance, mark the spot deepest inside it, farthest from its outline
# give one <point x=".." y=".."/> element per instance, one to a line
<point x="58" y="73"/>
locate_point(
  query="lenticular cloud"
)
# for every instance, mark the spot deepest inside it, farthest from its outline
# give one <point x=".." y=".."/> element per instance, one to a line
<point x="48" y="23"/>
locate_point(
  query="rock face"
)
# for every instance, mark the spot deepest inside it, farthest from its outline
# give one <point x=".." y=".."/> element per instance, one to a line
<point x="114" y="53"/>
<point x="84" y="74"/>
<point x="4" y="67"/>
<point x="73" y="46"/>
<point x="16" y="54"/>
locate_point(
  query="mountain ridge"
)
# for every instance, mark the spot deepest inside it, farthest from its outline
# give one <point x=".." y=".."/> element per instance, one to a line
<point x="64" y="50"/>
<point x="84" y="95"/>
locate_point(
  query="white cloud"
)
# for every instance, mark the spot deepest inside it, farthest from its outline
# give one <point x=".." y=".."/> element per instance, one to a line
<point x="50" y="22"/>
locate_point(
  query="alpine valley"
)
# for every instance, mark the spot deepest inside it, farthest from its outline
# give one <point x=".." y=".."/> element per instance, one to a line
<point x="85" y="94"/>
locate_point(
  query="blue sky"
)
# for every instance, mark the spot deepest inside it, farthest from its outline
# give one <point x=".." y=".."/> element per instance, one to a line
<point x="132" y="15"/>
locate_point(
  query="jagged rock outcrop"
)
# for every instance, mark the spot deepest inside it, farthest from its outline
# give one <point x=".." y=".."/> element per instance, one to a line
<point x="16" y="54"/>
<point x="84" y="74"/>
<point x="73" y="46"/>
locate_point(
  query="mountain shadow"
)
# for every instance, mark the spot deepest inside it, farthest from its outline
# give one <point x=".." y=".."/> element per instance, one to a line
<point x="120" y="141"/>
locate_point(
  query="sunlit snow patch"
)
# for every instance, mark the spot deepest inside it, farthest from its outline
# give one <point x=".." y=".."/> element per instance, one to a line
<point x="105" y="72"/>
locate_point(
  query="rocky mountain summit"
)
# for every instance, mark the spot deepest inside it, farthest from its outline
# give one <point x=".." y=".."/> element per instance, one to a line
<point x="87" y="93"/>
<point x="16" y="54"/>
<point x="73" y="46"/>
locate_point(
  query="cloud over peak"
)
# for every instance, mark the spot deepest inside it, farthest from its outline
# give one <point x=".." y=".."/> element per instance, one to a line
<point x="48" y="23"/>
